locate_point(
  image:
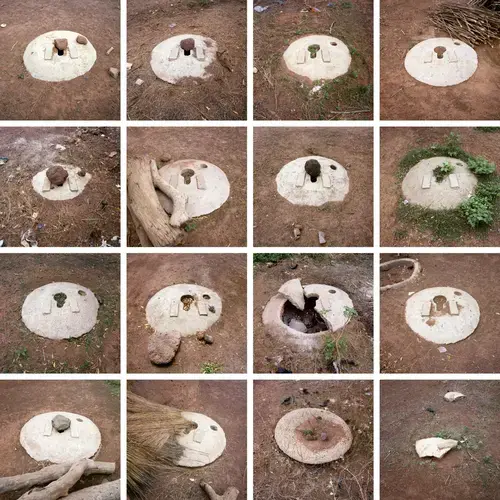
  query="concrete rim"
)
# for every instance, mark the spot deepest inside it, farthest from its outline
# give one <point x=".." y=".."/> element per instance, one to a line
<point x="385" y="266"/>
<point x="82" y="440"/>
<point x="284" y="434"/>
<point x="59" y="68"/>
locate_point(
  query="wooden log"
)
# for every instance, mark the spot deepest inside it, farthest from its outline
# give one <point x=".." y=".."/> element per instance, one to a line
<point x="230" y="494"/>
<point x="49" y="474"/>
<point x="105" y="491"/>
<point x="143" y="202"/>
<point x="143" y="237"/>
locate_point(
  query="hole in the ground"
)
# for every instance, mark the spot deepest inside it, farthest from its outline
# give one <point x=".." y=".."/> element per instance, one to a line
<point x="187" y="52"/>
<point x="206" y="296"/>
<point x="204" y="165"/>
<point x="214" y="427"/>
<point x="187" y="300"/>
<point x="187" y="174"/>
<point x="440" y="51"/>
<point x="312" y="321"/>
<point x="313" y="50"/>
<point x="332" y="291"/>
<point x="60" y="299"/>
<point x="458" y="293"/>
<point x="79" y="420"/>
<point x="82" y="293"/>
<point x="333" y="167"/>
<point x="60" y="52"/>
<point x="457" y="43"/>
<point x="333" y="43"/>
<point x="314" y="178"/>
<point x="441" y="303"/>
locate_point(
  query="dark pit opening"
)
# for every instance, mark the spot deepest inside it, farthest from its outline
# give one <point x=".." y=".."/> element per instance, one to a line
<point x="82" y="293"/>
<point x="333" y="167"/>
<point x="79" y="420"/>
<point x="187" y="52"/>
<point x="187" y="174"/>
<point x="60" y="52"/>
<point x="204" y="165"/>
<point x="187" y="300"/>
<point x="313" y="50"/>
<point x="457" y="43"/>
<point x="458" y="293"/>
<point x="206" y="296"/>
<point x="332" y="291"/>
<point x="440" y="51"/>
<point x="309" y="317"/>
<point x="314" y="178"/>
<point x="60" y="299"/>
<point x="333" y="43"/>
<point x="214" y="428"/>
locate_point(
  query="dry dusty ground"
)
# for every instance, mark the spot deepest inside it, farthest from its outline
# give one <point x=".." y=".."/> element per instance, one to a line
<point x="88" y="219"/>
<point x="225" y="274"/>
<point x="349" y="272"/>
<point x="221" y="97"/>
<point x="403" y="24"/>
<point x="224" y="402"/>
<point x="395" y="144"/>
<point x="277" y="476"/>
<point x="403" y="351"/>
<point x="224" y="147"/>
<point x="22" y="400"/>
<point x="93" y="96"/>
<point x="347" y="223"/>
<point x="281" y="95"/>
<point x="22" y="351"/>
<point x="412" y="410"/>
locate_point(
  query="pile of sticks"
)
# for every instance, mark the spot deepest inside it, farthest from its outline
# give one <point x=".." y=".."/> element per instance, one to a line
<point x="473" y="25"/>
<point x="486" y="4"/>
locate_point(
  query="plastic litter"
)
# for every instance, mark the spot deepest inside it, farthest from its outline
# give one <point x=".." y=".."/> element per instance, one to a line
<point x="3" y="160"/>
<point x="259" y="8"/>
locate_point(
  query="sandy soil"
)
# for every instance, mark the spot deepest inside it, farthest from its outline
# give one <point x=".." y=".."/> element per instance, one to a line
<point x="22" y="400"/>
<point x="224" y="147"/>
<point x="225" y="402"/>
<point x="21" y="351"/>
<point x="351" y="273"/>
<point x="225" y="274"/>
<point x="278" y="476"/>
<point x="403" y="351"/>
<point x="413" y="410"/>
<point x="281" y="95"/>
<point x="395" y="144"/>
<point x="221" y="97"/>
<point x="88" y="219"/>
<point x="93" y="96"/>
<point x="347" y="223"/>
<point x="403" y="24"/>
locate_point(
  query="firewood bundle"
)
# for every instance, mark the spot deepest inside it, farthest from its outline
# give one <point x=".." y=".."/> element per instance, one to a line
<point x="470" y="23"/>
<point x="486" y="4"/>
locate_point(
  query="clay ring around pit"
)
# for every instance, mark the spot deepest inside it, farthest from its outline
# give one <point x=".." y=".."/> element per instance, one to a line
<point x="313" y="436"/>
<point x="385" y="266"/>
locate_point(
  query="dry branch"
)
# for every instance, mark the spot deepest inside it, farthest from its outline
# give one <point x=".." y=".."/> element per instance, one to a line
<point x="230" y="494"/>
<point x="49" y="474"/>
<point x="105" y="491"/>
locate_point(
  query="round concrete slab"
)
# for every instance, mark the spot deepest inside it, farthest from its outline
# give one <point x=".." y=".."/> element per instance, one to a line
<point x="203" y="445"/>
<point x="407" y="262"/>
<point x="172" y="64"/>
<point x="60" y="311"/>
<point x="72" y="187"/>
<point x="443" y="315"/>
<point x="330" y="305"/>
<point x="43" y="443"/>
<point x="299" y="188"/>
<point x="183" y="308"/>
<point x="441" y="62"/>
<point x="420" y="186"/>
<point x="206" y="186"/>
<point x="293" y="429"/>
<point x="318" y="57"/>
<point x="43" y="61"/>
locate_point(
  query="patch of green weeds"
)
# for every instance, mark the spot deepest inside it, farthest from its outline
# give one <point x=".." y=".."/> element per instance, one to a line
<point x="114" y="387"/>
<point x="259" y="258"/>
<point x="443" y="171"/>
<point x="487" y="130"/>
<point x="334" y="349"/>
<point x="350" y="312"/>
<point x="211" y="367"/>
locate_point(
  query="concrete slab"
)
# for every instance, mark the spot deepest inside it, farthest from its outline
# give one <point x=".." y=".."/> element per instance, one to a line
<point x="72" y="187"/>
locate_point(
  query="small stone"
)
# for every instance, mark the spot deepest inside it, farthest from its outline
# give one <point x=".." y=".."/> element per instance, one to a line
<point x="255" y="70"/>
<point x="82" y="173"/>
<point x="60" y="423"/>
<point x="113" y="154"/>
<point x="129" y="66"/>
<point x="162" y="347"/>
<point x="114" y="72"/>
<point x="295" y="324"/>
<point x="61" y="43"/>
<point x="313" y="168"/>
<point x="57" y="175"/>
<point x="453" y="396"/>
<point x="271" y="264"/>
<point x="321" y="237"/>
<point x="81" y="40"/>
<point x="294" y="266"/>
<point x="296" y="233"/>
<point x="139" y="82"/>
<point x="187" y="44"/>
<point x="109" y="51"/>
<point x="209" y="339"/>
<point x="3" y="25"/>
<point x="200" y="336"/>
<point x="60" y="147"/>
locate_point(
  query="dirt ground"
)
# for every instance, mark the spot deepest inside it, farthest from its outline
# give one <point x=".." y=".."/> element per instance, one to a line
<point x="395" y="144"/>
<point x="403" y="351"/>
<point x="93" y="96"/>
<point x="224" y="147"/>
<point x="22" y="400"/>
<point x="85" y="221"/>
<point x="225" y="274"/>
<point x="403" y="24"/>
<point x="281" y="95"/>
<point x="224" y="402"/>
<point x="221" y="97"/>
<point x="22" y="351"/>
<point x="347" y="223"/>
<point x="350" y="272"/>
<point x="412" y="410"/>
<point x="277" y="476"/>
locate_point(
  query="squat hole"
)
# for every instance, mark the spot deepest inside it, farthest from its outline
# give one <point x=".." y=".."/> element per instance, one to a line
<point x="333" y="167"/>
<point x="206" y="297"/>
<point x="313" y="50"/>
<point x="440" y="51"/>
<point x="440" y="301"/>
<point x="60" y="52"/>
<point x="187" y="174"/>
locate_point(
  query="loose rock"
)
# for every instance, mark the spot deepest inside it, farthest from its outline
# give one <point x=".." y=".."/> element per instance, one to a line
<point x="209" y="339"/>
<point x="61" y="43"/>
<point x="162" y="347"/>
<point x="57" y="175"/>
<point x="82" y="173"/>
<point x="295" y="324"/>
<point x="200" y="336"/>
<point x="321" y="238"/>
<point x="187" y="44"/>
<point x="453" y="396"/>
<point x="296" y="233"/>
<point x="113" y="154"/>
<point x="60" y="423"/>
<point x="139" y="82"/>
<point x="114" y="72"/>
<point x="81" y="40"/>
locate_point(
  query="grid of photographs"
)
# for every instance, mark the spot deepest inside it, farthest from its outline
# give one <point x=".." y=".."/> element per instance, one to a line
<point x="250" y="249"/>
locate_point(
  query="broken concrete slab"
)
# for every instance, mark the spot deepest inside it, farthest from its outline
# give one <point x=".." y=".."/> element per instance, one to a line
<point x="434" y="447"/>
<point x="294" y="292"/>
